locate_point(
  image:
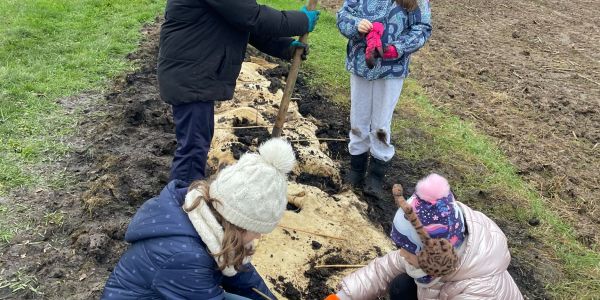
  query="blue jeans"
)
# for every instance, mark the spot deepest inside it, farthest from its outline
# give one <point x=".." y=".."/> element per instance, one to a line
<point x="194" y="129"/>
<point x="229" y="296"/>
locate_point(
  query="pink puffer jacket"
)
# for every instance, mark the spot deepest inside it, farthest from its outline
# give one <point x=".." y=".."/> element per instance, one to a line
<point x="481" y="273"/>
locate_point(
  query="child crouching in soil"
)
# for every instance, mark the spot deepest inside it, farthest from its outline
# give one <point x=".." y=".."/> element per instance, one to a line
<point x="447" y="251"/>
<point x="196" y="242"/>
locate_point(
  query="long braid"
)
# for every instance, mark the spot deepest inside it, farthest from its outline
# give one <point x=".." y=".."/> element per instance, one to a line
<point x="410" y="214"/>
<point x="437" y="257"/>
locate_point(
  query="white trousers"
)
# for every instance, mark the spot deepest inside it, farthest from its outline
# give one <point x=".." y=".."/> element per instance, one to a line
<point x="372" y="106"/>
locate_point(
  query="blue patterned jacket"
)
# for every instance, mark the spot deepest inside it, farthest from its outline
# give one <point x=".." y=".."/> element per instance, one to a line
<point x="407" y="31"/>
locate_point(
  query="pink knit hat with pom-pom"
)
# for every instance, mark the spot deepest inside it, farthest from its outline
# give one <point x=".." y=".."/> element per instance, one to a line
<point x="442" y="218"/>
<point x="434" y="204"/>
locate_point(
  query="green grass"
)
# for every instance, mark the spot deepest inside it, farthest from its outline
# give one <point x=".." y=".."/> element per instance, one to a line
<point x="12" y="222"/>
<point x="21" y="282"/>
<point x="55" y="218"/>
<point x="457" y="145"/>
<point x="6" y="231"/>
<point x="51" y="49"/>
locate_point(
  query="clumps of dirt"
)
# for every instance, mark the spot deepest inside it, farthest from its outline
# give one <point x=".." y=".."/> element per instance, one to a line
<point x="318" y="277"/>
<point x="164" y="148"/>
<point x="378" y="251"/>
<point x="333" y="119"/>
<point x="286" y="288"/>
<point x="316" y="245"/>
<point x="248" y="135"/>
<point x="280" y="72"/>
<point x="276" y="76"/>
<point x="292" y="207"/>
<point x="249" y="138"/>
<point x="324" y="183"/>
<point x="317" y="283"/>
<point x="336" y="259"/>
<point x="238" y="149"/>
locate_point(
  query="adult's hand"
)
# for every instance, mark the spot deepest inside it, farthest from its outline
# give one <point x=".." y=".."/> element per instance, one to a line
<point x="313" y="17"/>
<point x="298" y="44"/>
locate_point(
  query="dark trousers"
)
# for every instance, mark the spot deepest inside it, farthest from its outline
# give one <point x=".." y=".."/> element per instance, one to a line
<point x="403" y="287"/>
<point x="194" y="129"/>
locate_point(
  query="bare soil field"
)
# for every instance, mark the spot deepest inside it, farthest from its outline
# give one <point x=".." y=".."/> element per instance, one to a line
<point x="528" y="74"/>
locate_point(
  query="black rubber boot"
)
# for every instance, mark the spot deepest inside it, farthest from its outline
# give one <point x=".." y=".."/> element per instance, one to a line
<point x="358" y="168"/>
<point x="374" y="180"/>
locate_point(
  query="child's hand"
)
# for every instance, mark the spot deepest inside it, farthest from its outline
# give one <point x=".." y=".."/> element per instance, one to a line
<point x="398" y="191"/>
<point x="364" y="26"/>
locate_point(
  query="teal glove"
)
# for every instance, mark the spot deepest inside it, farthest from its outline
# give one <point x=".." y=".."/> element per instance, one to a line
<point x="298" y="44"/>
<point x="313" y="17"/>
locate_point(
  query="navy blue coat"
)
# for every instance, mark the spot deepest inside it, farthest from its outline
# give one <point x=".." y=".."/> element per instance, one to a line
<point x="168" y="260"/>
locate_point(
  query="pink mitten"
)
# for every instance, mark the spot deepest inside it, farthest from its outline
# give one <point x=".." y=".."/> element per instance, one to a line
<point x="390" y="52"/>
<point x="374" y="45"/>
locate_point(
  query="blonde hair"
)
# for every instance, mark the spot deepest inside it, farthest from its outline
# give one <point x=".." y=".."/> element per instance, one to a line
<point x="233" y="249"/>
<point x="409" y="5"/>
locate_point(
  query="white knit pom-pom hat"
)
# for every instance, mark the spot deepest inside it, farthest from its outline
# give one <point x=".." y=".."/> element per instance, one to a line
<point x="253" y="191"/>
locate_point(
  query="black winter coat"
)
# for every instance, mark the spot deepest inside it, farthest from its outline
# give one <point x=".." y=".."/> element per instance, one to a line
<point x="203" y="44"/>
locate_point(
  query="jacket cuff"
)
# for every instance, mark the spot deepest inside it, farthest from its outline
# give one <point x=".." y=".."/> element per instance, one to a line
<point x="342" y="295"/>
<point x="301" y="19"/>
<point x="398" y="47"/>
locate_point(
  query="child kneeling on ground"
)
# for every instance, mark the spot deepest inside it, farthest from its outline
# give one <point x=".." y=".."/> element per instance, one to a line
<point x="196" y="242"/>
<point x="447" y="251"/>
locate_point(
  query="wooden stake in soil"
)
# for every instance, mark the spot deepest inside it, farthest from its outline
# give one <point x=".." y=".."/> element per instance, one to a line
<point x="291" y="81"/>
<point x="314" y="233"/>
<point x="261" y="294"/>
<point x="241" y="127"/>
<point x="338" y="266"/>
<point x="319" y="139"/>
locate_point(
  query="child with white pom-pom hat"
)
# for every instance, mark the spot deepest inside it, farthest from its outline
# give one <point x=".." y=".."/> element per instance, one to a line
<point x="197" y="242"/>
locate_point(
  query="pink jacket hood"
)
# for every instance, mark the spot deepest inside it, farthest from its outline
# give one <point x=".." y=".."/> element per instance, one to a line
<point x="485" y="250"/>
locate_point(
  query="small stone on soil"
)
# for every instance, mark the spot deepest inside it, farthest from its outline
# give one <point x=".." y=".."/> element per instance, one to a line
<point x="316" y="245"/>
<point x="534" y="222"/>
<point x="57" y="273"/>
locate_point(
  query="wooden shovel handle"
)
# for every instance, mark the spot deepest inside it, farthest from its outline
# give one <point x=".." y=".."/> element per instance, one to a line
<point x="291" y="81"/>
